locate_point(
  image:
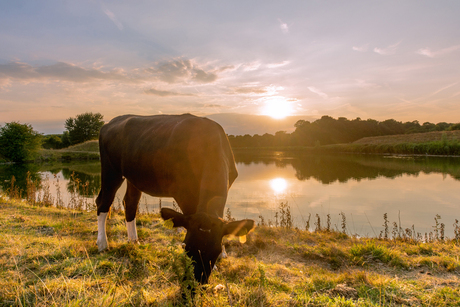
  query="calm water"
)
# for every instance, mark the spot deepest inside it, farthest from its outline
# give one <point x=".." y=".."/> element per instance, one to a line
<point x="409" y="189"/>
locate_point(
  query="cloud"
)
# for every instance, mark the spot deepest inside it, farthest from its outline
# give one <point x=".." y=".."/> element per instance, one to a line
<point x="250" y="90"/>
<point x="251" y="66"/>
<point x="155" y="92"/>
<point x="362" y="48"/>
<point x="432" y="54"/>
<point x="283" y="26"/>
<point x="203" y="77"/>
<point x="388" y="50"/>
<point x="275" y="65"/>
<point x="443" y="88"/>
<point x="182" y="70"/>
<point x="57" y="72"/>
<point x="318" y="92"/>
<point x="113" y="18"/>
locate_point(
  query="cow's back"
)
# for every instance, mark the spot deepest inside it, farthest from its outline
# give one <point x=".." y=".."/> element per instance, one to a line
<point x="178" y="156"/>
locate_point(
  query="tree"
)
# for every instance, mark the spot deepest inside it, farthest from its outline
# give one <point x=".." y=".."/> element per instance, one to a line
<point x="84" y="127"/>
<point x="52" y="142"/>
<point x="19" y="142"/>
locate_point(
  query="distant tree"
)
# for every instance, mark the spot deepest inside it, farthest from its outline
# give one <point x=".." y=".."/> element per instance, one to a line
<point x="65" y="139"/>
<point x="19" y="142"/>
<point x="84" y="127"/>
<point x="52" y="142"/>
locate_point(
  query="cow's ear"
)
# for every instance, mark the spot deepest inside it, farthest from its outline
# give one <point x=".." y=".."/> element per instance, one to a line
<point x="177" y="218"/>
<point x="239" y="228"/>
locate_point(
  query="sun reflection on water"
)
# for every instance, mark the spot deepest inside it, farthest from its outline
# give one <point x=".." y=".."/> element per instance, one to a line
<point x="278" y="185"/>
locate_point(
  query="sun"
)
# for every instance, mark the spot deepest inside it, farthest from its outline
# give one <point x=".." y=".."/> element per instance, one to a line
<point x="277" y="108"/>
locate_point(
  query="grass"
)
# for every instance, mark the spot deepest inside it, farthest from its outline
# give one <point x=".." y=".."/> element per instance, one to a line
<point x="85" y="151"/>
<point x="438" y="143"/>
<point x="48" y="257"/>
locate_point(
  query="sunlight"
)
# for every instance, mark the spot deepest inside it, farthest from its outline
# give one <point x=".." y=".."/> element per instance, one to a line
<point x="277" y="107"/>
<point x="278" y="185"/>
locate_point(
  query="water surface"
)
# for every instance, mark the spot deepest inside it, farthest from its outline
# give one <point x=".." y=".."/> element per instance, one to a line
<point x="411" y="190"/>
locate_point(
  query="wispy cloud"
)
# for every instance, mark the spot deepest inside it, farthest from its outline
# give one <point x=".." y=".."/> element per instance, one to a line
<point x="251" y="66"/>
<point x="275" y="65"/>
<point x="362" y="48"/>
<point x="443" y="88"/>
<point x="183" y="70"/>
<point x="57" y="72"/>
<point x="283" y="26"/>
<point x="250" y="90"/>
<point x="387" y="50"/>
<point x="432" y="54"/>
<point x="155" y="92"/>
<point x="114" y="19"/>
<point x="318" y="92"/>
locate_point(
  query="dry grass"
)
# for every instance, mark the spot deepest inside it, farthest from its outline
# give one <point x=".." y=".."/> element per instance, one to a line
<point x="48" y="257"/>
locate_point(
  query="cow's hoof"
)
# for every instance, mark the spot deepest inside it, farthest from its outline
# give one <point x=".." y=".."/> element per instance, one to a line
<point x="102" y="245"/>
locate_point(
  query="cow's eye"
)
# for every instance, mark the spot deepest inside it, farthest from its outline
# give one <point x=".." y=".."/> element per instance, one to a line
<point x="205" y="230"/>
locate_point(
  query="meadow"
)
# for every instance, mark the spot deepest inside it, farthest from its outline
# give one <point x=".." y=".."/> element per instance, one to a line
<point x="49" y="257"/>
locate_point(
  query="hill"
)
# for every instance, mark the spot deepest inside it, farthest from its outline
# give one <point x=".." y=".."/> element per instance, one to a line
<point x="414" y="138"/>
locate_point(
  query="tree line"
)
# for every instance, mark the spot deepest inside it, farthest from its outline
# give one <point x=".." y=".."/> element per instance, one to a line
<point x="20" y="142"/>
<point x="327" y="130"/>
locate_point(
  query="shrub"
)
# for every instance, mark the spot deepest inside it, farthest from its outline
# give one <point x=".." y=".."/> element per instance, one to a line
<point x="18" y="142"/>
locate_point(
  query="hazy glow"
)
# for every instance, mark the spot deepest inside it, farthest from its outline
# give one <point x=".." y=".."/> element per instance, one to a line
<point x="278" y="185"/>
<point x="277" y="108"/>
<point x="304" y="59"/>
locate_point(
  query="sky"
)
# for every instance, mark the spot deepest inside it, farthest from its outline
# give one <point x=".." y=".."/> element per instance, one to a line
<point x="368" y="59"/>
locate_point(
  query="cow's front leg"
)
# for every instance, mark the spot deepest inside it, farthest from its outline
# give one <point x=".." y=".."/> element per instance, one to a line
<point x="132" y="231"/>
<point x="131" y="202"/>
<point x="101" y="233"/>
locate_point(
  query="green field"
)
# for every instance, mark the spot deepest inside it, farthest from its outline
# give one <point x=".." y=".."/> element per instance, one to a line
<point x="48" y="257"/>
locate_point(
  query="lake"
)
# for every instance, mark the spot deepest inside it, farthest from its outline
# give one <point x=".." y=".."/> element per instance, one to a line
<point x="410" y="190"/>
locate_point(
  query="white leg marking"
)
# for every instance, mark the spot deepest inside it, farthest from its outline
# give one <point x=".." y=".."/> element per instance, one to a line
<point x="101" y="234"/>
<point x="132" y="231"/>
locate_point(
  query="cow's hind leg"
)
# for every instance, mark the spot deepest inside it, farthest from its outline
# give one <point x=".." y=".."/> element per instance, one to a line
<point x="131" y="202"/>
<point x="110" y="182"/>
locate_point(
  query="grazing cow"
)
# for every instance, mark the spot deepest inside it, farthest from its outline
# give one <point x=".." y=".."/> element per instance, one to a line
<point x="181" y="156"/>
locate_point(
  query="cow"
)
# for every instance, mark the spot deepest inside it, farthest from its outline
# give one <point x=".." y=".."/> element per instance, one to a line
<point x="183" y="156"/>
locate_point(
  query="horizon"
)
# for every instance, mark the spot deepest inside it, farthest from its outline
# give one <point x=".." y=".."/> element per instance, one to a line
<point x="380" y="60"/>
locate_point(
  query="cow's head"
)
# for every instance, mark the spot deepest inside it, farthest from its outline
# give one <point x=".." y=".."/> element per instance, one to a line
<point x="203" y="241"/>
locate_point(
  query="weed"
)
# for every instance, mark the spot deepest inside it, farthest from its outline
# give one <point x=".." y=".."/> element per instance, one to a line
<point x="318" y="223"/>
<point x="307" y="222"/>
<point x="182" y="269"/>
<point x="228" y="216"/>
<point x="262" y="221"/>
<point x="344" y="222"/>
<point x="456" y="231"/>
<point x="385" y="227"/>
<point x="285" y="215"/>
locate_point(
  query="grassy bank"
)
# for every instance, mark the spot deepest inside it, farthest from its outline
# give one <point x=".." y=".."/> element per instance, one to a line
<point x="431" y="143"/>
<point x="48" y="257"/>
<point x="84" y="151"/>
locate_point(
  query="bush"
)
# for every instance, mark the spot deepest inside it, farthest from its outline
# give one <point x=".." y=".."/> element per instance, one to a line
<point x="19" y="142"/>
